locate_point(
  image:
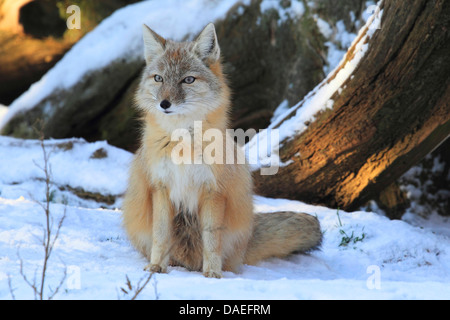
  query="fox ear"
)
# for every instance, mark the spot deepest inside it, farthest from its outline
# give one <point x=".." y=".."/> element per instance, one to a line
<point x="154" y="44"/>
<point x="206" y="45"/>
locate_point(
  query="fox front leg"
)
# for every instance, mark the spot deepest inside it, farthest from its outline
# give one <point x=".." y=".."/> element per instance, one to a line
<point x="162" y="226"/>
<point x="211" y="217"/>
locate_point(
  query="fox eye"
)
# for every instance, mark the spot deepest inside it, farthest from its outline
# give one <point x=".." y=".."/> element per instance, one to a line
<point x="158" y="78"/>
<point x="189" y="80"/>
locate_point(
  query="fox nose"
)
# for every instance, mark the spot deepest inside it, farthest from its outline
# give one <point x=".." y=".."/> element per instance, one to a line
<point x="165" y="104"/>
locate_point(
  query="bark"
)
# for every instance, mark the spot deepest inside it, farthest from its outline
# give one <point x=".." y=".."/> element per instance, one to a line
<point x="392" y="112"/>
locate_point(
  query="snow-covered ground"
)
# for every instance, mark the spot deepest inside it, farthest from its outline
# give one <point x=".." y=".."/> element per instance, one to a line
<point x="364" y="255"/>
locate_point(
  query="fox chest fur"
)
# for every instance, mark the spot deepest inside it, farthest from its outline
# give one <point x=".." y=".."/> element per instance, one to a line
<point x="185" y="183"/>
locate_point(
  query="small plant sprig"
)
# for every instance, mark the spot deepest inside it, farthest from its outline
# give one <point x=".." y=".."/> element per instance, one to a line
<point x="348" y="239"/>
<point x="339" y="218"/>
<point x="134" y="291"/>
<point x="50" y="233"/>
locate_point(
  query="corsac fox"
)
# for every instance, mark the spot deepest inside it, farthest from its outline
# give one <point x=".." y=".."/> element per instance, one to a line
<point x="197" y="215"/>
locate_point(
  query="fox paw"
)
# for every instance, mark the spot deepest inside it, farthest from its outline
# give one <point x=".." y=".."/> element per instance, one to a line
<point x="156" y="268"/>
<point x="212" y="274"/>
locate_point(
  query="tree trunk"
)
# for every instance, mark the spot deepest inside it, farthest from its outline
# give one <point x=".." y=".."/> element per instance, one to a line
<point x="389" y="114"/>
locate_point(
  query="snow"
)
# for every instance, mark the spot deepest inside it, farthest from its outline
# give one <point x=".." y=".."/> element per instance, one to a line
<point x="120" y="37"/>
<point x="295" y="10"/>
<point x="370" y="9"/>
<point x="338" y="40"/>
<point x="324" y="28"/>
<point x="425" y="190"/>
<point x="337" y="45"/>
<point x="282" y="107"/>
<point x="3" y="111"/>
<point x="73" y="163"/>
<point x="381" y="259"/>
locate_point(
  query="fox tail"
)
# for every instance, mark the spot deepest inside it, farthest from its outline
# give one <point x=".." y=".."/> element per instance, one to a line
<point x="280" y="234"/>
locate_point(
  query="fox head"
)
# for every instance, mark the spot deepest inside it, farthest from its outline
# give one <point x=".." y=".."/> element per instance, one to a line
<point x="181" y="80"/>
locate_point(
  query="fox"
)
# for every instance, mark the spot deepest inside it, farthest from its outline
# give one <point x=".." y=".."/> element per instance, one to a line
<point x="199" y="216"/>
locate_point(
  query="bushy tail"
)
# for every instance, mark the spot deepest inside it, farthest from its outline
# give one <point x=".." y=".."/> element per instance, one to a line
<point x="280" y="234"/>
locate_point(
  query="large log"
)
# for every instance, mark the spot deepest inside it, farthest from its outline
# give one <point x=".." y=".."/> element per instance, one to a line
<point x="387" y="116"/>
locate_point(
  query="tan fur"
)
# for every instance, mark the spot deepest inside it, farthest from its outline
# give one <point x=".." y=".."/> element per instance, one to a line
<point x="205" y="222"/>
